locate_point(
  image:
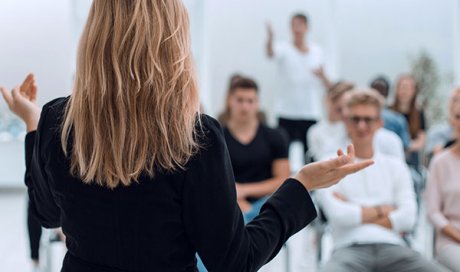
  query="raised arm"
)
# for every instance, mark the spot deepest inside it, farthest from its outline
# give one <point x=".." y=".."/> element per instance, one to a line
<point x="22" y="101"/>
<point x="270" y="36"/>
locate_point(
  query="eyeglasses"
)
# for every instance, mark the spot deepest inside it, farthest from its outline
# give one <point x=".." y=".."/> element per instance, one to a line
<point x="355" y="120"/>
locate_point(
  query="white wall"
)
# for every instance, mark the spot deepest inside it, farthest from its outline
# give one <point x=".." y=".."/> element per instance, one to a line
<point x="381" y="36"/>
<point x="36" y="36"/>
<point x="456" y="44"/>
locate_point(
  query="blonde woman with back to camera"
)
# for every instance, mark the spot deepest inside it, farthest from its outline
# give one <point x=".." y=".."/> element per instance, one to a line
<point x="136" y="177"/>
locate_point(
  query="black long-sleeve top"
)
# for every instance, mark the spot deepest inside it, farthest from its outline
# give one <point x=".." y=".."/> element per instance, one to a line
<point x="158" y="224"/>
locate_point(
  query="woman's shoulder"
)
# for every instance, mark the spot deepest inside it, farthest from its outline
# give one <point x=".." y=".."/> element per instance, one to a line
<point x="209" y="130"/>
<point x="55" y="109"/>
<point x="57" y="104"/>
<point x="210" y="138"/>
<point x="208" y="123"/>
<point x="53" y="112"/>
<point x="441" y="158"/>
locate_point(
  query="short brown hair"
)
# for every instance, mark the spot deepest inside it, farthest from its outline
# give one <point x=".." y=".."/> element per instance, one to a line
<point x="238" y="81"/>
<point x="301" y="16"/>
<point x="339" y="89"/>
<point x="365" y="97"/>
<point x="243" y="83"/>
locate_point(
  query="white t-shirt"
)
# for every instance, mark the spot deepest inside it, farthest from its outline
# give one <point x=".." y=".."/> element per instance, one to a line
<point x="387" y="182"/>
<point x="389" y="143"/>
<point x="301" y="91"/>
<point x="324" y="138"/>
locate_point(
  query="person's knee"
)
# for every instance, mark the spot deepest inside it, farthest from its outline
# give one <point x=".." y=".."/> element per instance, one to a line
<point x="343" y="261"/>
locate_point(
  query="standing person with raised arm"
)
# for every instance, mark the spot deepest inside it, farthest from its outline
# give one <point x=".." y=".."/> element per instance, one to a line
<point x="136" y="177"/>
<point x="300" y="62"/>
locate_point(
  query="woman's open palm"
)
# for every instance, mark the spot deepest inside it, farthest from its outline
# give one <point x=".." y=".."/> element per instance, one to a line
<point x="324" y="174"/>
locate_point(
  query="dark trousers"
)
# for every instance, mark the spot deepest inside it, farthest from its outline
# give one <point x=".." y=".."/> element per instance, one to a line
<point x="296" y="130"/>
<point x="35" y="232"/>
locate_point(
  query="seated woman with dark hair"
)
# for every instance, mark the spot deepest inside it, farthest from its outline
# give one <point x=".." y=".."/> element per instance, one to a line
<point x="259" y="154"/>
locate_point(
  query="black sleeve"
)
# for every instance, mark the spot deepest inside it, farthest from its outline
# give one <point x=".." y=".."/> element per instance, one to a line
<point x="41" y="197"/>
<point x="278" y="142"/>
<point x="214" y="222"/>
<point x="422" y="121"/>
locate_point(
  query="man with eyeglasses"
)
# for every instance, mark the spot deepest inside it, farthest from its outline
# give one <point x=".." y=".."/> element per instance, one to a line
<point x="328" y="134"/>
<point x="369" y="211"/>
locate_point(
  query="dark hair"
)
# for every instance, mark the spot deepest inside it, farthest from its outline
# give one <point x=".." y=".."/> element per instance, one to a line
<point x="382" y="85"/>
<point x="339" y="89"/>
<point x="233" y="79"/>
<point x="301" y="16"/>
<point x="238" y="81"/>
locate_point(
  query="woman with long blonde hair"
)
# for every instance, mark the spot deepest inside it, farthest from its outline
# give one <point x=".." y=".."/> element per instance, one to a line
<point x="136" y="177"/>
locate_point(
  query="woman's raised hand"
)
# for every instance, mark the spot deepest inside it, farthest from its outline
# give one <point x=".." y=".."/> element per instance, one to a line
<point x="22" y="101"/>
<point x="324" y="174"/>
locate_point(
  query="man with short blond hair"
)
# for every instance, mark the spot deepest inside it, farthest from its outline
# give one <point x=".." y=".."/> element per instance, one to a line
<point x="370" y="210"/>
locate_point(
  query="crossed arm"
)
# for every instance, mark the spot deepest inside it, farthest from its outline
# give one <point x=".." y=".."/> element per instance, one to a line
<point x="378" y="215"/>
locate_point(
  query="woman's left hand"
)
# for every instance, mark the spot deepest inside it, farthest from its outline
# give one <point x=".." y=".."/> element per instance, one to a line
<point x="22" y="101"/>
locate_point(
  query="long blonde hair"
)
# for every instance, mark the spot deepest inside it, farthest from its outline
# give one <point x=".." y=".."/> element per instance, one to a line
<point x="135" y="102"/>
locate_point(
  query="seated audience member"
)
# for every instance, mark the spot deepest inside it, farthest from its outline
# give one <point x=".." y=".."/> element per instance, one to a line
<point x="406" y="103"/>
<point x="330" y="134"/>
<point x="443" y="198"/>
<point x="440" y="135"/>
<point x="259" y="154"/>
<point x="392" y="120"/>
<point x="370" y="210"/>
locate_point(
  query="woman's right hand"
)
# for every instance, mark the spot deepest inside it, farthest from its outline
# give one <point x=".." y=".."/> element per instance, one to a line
<point x="324" y="174"/>
<point x="22" y="101"/>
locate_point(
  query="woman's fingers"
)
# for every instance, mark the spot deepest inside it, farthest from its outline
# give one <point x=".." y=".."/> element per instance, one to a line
<point x="27" y="86"/>
<point x="16" y="93"/>
<point x="340" y="152"/>
<point x="354" y="167"/>
<point x="334" y="163"/>
<point x="351" y="151"/>
<point x="7" y="96"/>
<point x="33" y="93"/>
